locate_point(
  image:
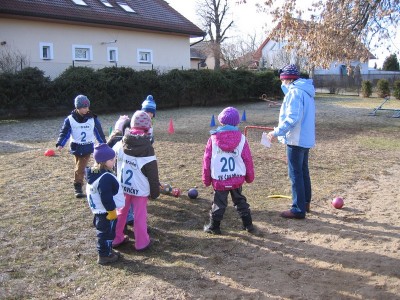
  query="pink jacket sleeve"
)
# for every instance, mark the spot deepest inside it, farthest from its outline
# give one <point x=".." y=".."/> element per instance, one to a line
<point x="248" y="161"/>
<point x="206" y="175"/>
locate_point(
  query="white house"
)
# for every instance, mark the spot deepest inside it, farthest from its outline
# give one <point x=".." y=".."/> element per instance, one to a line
<point x="55" y="34"/>
<point x="271" y="53"/>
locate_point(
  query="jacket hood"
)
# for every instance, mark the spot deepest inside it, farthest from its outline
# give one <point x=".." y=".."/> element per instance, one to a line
<point x="137" y="145"/>
<point x="227" y="140"/>
<point x="305" y="85"/>
<point x="93" y="174"/>
<point x="81" y="118"/>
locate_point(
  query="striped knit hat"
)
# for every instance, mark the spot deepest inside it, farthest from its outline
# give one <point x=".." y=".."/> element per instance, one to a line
<point x="149" y="105"/>
<point x="289" y="72"/>
<point x="81" y="101"/>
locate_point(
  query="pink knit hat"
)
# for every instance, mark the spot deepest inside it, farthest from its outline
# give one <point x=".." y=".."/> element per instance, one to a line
<point x="140" y="120"/>
<point x="229" y="116"/>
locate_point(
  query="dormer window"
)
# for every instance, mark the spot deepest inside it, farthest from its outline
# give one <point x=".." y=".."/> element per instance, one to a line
<point x="125" y="7"/>
<point x="106" y="3"/>
<point x="80" y="2"/>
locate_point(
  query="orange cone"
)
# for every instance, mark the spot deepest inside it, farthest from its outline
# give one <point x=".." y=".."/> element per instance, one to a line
<point x="171" y="129"/>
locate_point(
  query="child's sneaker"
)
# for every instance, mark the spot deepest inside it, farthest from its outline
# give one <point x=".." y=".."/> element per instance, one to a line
<point x="103" y="260"/>
<point x="124" y="241"/>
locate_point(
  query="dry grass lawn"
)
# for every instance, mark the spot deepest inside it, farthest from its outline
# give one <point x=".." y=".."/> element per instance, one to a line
<point x="48" y="242"/>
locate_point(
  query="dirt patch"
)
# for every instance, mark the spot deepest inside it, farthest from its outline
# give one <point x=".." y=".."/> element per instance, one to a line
<point x="49" y="242"/>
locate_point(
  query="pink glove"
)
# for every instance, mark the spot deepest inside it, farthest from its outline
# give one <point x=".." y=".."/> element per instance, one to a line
<point x="120" y="123"/>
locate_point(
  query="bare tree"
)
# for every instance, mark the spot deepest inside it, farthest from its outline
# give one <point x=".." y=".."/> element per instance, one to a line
<point x="238" y="52"/>
<point x="213" y="14"/>
<point x="11" y="61"/>
<point x="338" y="30"/>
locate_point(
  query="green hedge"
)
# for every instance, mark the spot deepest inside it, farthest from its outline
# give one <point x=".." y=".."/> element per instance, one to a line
<point x="29" y="93"/>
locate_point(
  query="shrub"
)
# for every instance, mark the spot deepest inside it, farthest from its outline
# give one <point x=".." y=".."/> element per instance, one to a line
<point x="382" y="88"/>
<point x="31" y="89"/>
<point x="366" y="88"/>
<point x="396" y="89"/>
<point x="333" y="89"/>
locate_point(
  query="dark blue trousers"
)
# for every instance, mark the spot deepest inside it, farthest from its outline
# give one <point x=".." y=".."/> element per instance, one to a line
<point x="105" y="230"/>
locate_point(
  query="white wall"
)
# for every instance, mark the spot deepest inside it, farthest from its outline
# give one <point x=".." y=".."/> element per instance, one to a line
<point x="169" y="50"/>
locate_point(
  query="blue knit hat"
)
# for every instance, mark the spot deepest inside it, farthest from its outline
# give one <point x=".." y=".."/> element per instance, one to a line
<point x="149" y="105"/>
<point x="229" y="116"/>
<point x="289" y="72"/>
<point x="81" y="101"/>
<point x="102" y="153"/>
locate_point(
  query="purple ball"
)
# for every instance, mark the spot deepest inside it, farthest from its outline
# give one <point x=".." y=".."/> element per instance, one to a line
<point x="193" y="193"/>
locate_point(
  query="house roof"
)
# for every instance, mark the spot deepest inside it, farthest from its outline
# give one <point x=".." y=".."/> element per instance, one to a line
<point x="154" y="15"/>
<point x="199" y="50"/>
<point x="258" y="53"/>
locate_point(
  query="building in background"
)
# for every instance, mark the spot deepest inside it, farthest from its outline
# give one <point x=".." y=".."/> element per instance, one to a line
<point x="55" y="34"/>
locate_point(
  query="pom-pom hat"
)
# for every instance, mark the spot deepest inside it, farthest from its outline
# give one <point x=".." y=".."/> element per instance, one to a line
<point x="102" y="153"/>
<point x="289" y="72"/>
<point x="149" y="105"/>
<point x="140" y="120"/>
<point x="229" y="116"/>
<point x="81" y="101"/>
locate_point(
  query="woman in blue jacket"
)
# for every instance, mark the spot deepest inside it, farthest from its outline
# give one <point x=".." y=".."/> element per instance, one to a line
<point x="296" y="129"/>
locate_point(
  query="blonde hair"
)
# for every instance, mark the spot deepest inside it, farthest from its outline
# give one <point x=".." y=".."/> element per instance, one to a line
<point x="100" y="166"/>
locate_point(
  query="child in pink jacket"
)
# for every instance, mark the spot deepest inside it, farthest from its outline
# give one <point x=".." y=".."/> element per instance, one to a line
<point x="227" y="164"/>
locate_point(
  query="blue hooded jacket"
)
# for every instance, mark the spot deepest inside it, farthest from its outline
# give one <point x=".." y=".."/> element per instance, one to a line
<point x="297" y="115"/>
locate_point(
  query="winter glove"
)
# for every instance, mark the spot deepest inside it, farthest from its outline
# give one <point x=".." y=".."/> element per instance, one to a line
<point x="119" y="125"/>
<point x="111" y="215"/>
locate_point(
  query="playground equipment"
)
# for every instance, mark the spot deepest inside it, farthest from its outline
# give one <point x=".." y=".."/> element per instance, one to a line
<point x="270" y="102"/>
<point x="380" y="107"/>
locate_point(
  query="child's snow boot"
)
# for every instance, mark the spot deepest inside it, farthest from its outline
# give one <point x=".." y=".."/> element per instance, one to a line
<point x="102" y="260"/>
<point x="248" y="223"/>
<point x="213" y="227"/>
<point x="78" y="190"/>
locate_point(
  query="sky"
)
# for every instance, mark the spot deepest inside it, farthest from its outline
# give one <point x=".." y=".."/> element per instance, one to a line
<point x="250" y="22"/>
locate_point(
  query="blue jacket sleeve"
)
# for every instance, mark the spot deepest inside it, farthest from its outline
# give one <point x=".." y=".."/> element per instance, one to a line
<point x="98" y="131"/>
<point x="65" y="133"/>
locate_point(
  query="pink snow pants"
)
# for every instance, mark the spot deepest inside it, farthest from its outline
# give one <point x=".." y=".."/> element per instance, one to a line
<point x="142" y="238"/>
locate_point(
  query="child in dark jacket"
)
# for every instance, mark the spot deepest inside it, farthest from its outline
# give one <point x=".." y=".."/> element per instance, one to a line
<point x="104" y="195"/>
<point x="137" y="171"/>
<point x="227" y="164"/>
<point x="83" y="127"/>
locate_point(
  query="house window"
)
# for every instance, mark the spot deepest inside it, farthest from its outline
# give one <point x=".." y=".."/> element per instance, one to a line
<point x="82" y="52"/>
<point x="145" y="56"/>
<point x="125" y="6"/>
<point x="79" y="2"/>
<point x="106" y="3"/>
<point x="46" y="51"/>
<point x="112" y="54"/>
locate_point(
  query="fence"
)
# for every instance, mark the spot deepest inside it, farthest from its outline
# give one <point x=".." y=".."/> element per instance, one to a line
<point x="351" y="84"/>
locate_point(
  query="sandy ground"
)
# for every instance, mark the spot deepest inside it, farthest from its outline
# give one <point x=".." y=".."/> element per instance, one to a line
<point x="351" y="253"/>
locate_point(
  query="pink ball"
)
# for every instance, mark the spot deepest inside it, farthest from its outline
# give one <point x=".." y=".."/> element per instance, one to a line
<point x="337" y="202"/>
<point x="176" y="192"/>
<point x="49" y="152"/>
